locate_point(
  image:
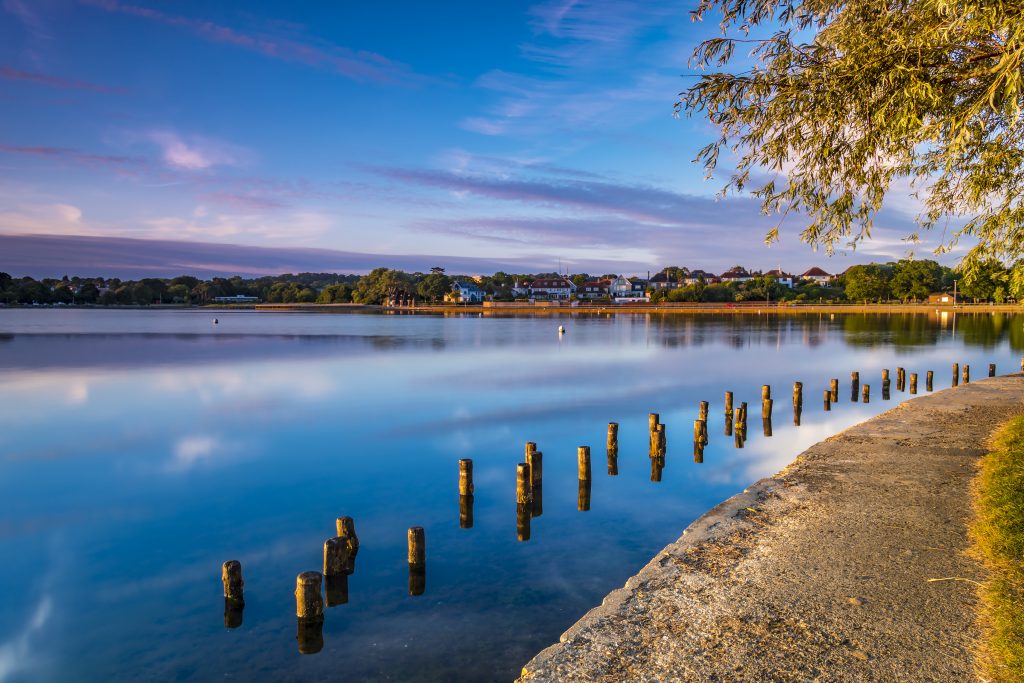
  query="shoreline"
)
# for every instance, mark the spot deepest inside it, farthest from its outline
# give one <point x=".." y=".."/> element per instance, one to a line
<point x="838" y="567"/>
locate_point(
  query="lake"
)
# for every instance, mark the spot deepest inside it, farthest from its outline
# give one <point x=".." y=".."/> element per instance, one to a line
<point x="141" y="449"/>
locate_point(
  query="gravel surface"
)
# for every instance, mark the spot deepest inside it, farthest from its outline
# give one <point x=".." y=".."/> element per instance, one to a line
<point x="848" y="565"/>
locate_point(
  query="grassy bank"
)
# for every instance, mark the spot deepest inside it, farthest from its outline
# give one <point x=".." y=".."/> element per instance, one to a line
<point x="998" y="541"/>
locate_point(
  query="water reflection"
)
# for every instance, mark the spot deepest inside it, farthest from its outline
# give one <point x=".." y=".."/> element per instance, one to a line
<point x="371" y="414"/>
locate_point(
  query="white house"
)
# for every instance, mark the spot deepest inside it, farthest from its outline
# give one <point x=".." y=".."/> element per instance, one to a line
<point x="818" y="276"/>
<point x="552" y="288"/>
<point x="465" y="293"/>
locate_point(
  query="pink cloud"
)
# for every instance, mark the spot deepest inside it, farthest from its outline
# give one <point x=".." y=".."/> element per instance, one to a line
<point x="196" y="153"/>
<point x="355" y="64"/>
<point x="66" y="154"/>
<point x="12" y="74"/>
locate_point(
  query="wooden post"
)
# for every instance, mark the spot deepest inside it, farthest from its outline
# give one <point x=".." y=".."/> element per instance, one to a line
<point x="828" y="400"/>
<point x="834" y="385"/>
<point x="652" y="421"/>
<point x="523" y="485"/>
<point x="657" y="465"/>
<point x="854" y="386"/>
<point x="662" y="443"/>
<point x="991" y="369"/>
<point x="335" y="556"/>
<point x="956" y="374"/>
<point x="901" y="379"/>
<point x="698" y="452"/>
<point x="766" y="408"/>
<point x="728" y="411"/>
<point x="967" y="373"/>
<point x="704" y="410"/>
<point x="866" y="392"/>
<point x="798" y="394"/>
<point x="231" y="577"/>
<point x="885" y="375"/>
<point x="466" y="477"/>
<point x="613" y="437"/>
<point x="913" y="383"/>
<point x="465" y="512"/>
<point x="417" y="561"/>
<point x="928" y="380"/>
<point x="766" y="425"/>
<point x="537" y="504"/>
<point x="766" y="391"/>
<point x="530" y="448"/>
<point x="309" y="603"/>
<point x="535" y="462"/>
<point x="583" y="462"/>
<point x="583" y="492"/>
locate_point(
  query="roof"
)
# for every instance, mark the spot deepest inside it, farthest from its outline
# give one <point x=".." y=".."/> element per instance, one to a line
<point x="459" y="284"/>
<point x="734" y="274"/>
<point x="816" y="272"/>
<point x="697" y="274"/>
<point x="596" y="283"/>
<point x="551" y="283"/>
<point x="777" y="273"/>
<point x="662" y="277"/>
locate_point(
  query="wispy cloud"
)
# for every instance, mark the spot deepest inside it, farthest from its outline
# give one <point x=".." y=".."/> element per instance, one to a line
<point x="70" y="155"/>
<point x="12" y="74"/>
<point x="197" y="153"/>
<point x="358" y="65"/>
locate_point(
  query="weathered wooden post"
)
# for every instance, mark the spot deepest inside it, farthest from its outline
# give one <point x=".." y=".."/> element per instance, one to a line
<point x="855" y="386"/>
<point x="523" y="516"/>
<point x="901" y="379"/>
<point x="798" y="395"/>
<point x="523" y="484"/>
<point x="657" y="465"/>
<point x="967" y="373"/>
<point x="309" y="603"/>
<point x="231" y="577"/>
<point x="613" y="463"/>
<point x="704" y="410"/>
<point x="652" y="423"/>
<point x="885" y="375"/>
<point x="336" y="590"/>
<point x="834" y="386"/>
<point x="828" y="400"/>
<point x="866" y="392"/>
<point x="766" y="425"/>
<point x="928" y="380"/>
<point x="662" y="442"/>
<point x="417" y="560"/>
<point x="613" y="437"/>
<point x="728" y="411"/>
<point x="766" y="392"/>
<point x="530" y="448"/>
<point x="698" y="452"/>
<point x="583" y="462"/>
<point x="466" y="477"/>
<point x="335" y="556"/>
<point x="466" y="492"/>
<point x="234" y="601"/>
<point x="766" y="408"/>
<point x="956" y="374"/>
<point x="913" y="383"/>
<point x="535" y="462"/>
<point x="991" y="369"/>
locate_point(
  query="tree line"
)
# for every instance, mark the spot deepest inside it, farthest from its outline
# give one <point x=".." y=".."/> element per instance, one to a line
<point x="906" y="280"/>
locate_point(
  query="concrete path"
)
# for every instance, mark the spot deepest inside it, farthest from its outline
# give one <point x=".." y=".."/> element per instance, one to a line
<point x="846" y="566"/>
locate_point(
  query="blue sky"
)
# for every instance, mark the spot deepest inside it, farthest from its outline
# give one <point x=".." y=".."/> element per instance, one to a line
<point x="513" y="134"/>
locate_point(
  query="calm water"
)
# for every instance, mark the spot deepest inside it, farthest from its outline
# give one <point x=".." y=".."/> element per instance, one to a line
<point x="139" y="450"/>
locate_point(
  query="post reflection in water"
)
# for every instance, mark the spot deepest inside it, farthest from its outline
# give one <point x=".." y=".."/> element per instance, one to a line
<point x="523" y="515"/>
<point x="465" y="512"/>
<point x="310" y="634"/>
<point x="537" y="503"/>
<point x="336" y="589"/>
<point x="583" y="495"/>
<point x="233" y="612"/>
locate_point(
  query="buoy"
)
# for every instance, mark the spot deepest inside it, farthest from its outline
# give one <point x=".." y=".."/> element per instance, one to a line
<point x="561" y="330"/>
<point x="216" y="322"/>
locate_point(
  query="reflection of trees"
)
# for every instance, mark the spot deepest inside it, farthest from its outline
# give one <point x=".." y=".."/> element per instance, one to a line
<point x="984" y="330"/>
<point x="898" y="329"/>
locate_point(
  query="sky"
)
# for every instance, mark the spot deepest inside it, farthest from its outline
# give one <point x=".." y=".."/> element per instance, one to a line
<point x="156" y="137"/>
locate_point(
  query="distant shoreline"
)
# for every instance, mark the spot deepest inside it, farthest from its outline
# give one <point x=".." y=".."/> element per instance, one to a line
<point x="554" y="308"/>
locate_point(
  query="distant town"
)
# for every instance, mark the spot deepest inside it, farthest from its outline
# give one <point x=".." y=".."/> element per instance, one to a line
<point x="909" y="280"/>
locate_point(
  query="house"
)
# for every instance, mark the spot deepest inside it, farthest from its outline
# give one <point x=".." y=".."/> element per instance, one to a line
<point x="594" y="289"/>
<point x="465" y="293"/>
<point x="628" y="290"/>
<point x="736" y="274"/>
<point x="552" y="288"/>
<point x="696" y="276"/>
<point x="663" y="281"/>
<point x="520" y="288"/>
<point x="784" y="279"/>
<point x="817" y="276"/>
<point x="942" y="298"/>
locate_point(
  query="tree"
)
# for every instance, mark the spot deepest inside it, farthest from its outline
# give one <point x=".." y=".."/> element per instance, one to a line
<point x="867" y="283"/>
<point x="848" y="97"/>
<point x="913" y="279"/>
<point x="764" y="287"/>
<point x="990" y="282"/>
<point x="433" y="287"/>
